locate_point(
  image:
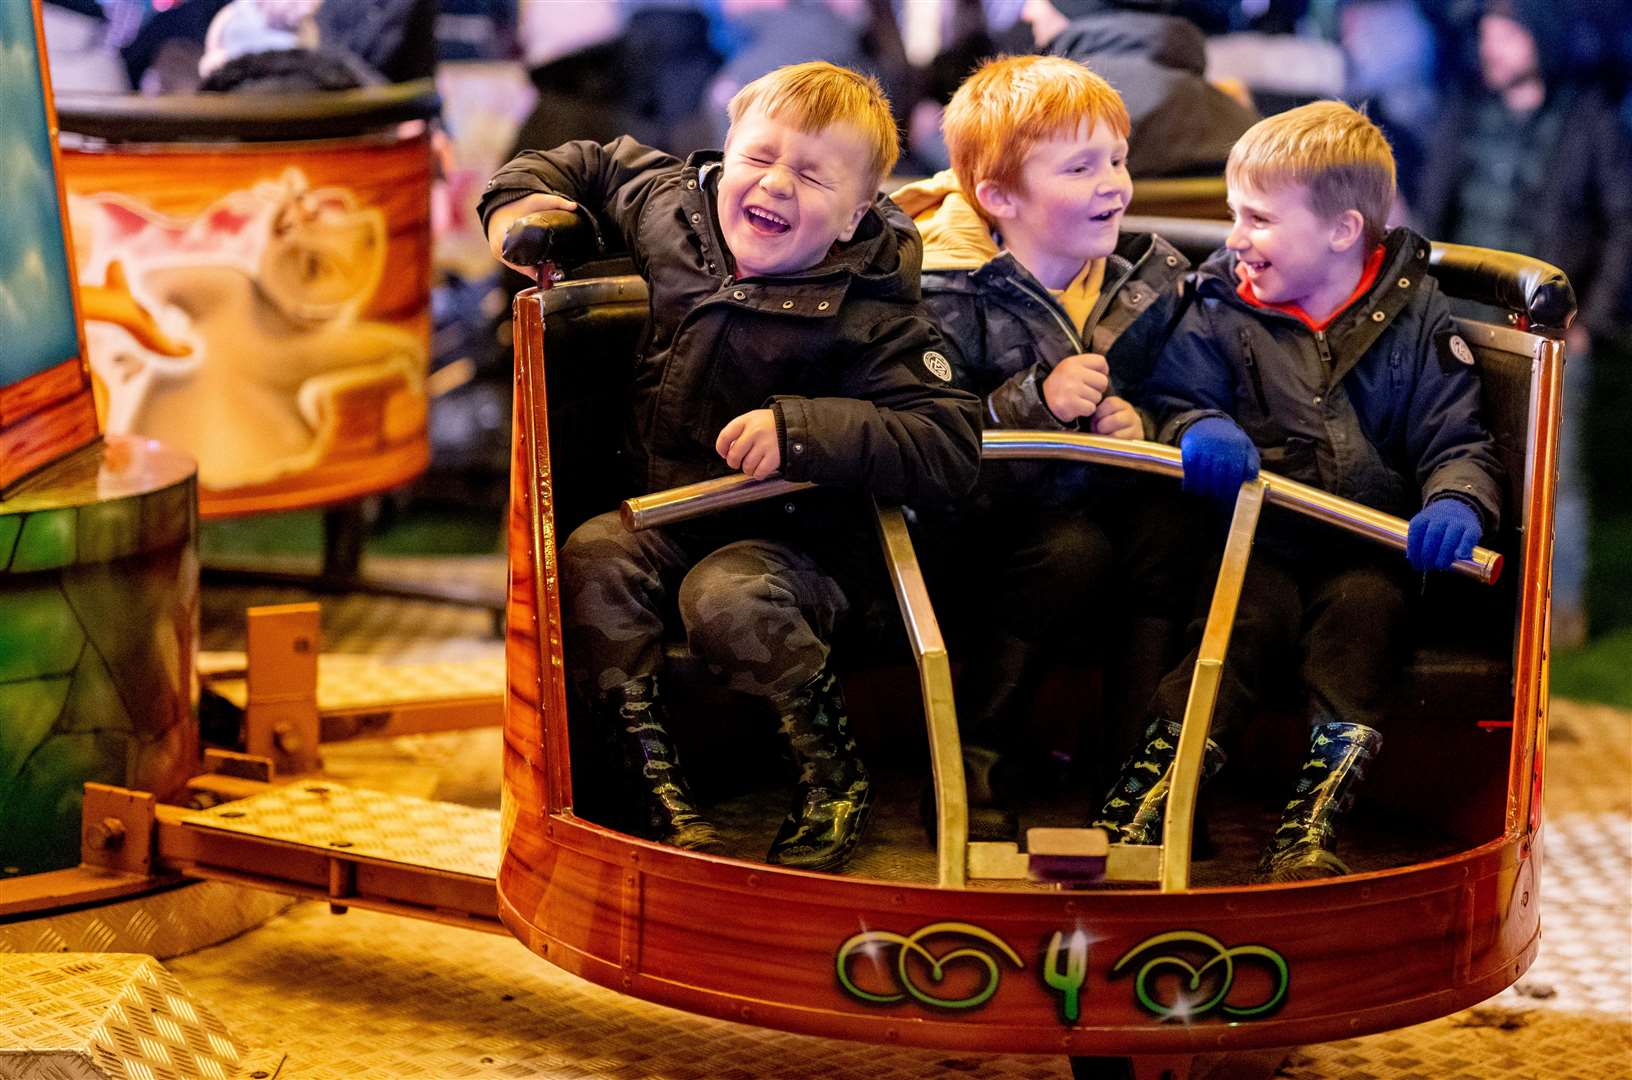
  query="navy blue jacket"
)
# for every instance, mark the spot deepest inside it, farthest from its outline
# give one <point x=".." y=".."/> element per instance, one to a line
<point x="1378" y="408"/>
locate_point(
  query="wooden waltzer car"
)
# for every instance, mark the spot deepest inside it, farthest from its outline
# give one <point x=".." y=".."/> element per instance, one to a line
<point x="1132" y="960"/>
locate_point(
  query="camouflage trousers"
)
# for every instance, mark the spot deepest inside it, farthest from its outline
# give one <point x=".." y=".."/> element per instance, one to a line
<point x="760" y="613"/>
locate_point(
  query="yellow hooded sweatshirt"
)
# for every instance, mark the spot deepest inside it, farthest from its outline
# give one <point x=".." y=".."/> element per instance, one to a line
<point x="956" y="238"/>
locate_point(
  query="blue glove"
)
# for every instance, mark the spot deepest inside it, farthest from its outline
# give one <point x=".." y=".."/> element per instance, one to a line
<point x="1442" y="532"/>
<point x="1218" y="458"/>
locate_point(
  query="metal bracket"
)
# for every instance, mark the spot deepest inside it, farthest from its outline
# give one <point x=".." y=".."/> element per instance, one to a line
<point x="116" y="830"/>
<point x="281" y="721"/>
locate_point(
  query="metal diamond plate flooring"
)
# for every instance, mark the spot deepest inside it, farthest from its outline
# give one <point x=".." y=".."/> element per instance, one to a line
<point x="370" y="996"/>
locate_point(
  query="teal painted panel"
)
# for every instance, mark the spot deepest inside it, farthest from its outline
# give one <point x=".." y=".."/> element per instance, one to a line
<point x="36" y="293"/>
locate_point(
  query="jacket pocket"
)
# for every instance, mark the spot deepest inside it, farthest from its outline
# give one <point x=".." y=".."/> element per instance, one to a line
<point x="1255" y="378"/>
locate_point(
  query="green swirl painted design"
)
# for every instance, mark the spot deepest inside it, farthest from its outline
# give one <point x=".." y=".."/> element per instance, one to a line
<point x="906" y="947"/>
<point x="1222" y="959"/>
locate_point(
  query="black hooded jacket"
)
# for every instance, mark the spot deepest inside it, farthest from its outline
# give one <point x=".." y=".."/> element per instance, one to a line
<point x="842" y="353"/>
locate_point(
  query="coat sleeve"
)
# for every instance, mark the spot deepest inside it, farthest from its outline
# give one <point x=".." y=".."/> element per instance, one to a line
<point x="897" y="429"/>
<point x="1192" y="378"/>
<point x="1018" y="402"/>
<point x="1452" y="449"/>
<point x="611" y="182"/>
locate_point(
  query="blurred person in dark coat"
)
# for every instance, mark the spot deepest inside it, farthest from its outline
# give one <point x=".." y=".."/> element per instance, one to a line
<point x="1532" y="160"/>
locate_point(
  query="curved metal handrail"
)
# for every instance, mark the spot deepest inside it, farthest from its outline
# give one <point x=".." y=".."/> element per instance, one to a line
<point x="709" y="496"/>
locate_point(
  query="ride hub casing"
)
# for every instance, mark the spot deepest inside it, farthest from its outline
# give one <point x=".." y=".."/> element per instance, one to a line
<point x="1024" y="970"/>
<point x="255" y="273"/>
<point x="98" y="631"/>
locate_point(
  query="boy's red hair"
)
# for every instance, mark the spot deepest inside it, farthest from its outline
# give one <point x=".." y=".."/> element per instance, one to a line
<point x="1011" y="104"/>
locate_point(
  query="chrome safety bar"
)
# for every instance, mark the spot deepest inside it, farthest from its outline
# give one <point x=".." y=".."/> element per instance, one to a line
<point x="1185" y="781"/>
<point x="702" y="498"/>
<point x="1484" y="565"/>
<point x="678" y="504"/>
<point x="1170" y="864"/>
<point x="935" y="681"/>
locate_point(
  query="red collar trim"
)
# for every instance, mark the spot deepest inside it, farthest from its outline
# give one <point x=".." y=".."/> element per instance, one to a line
<point x="1368" y="278"/>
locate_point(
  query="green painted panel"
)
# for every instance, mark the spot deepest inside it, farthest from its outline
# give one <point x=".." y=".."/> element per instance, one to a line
<point x="138" y="623"/>
<point x="39" y="812"/>
<point x="39" y="633"/>
<point x="10" y="526"/>
<point x="47" y="541"/>
<point x="94" y="702"/>
<point x="28" y="711"/>
<point x="168" y="516"/>
<point x="109" y="530"/>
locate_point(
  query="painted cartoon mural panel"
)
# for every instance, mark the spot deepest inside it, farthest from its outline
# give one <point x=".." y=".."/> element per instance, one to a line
<point x="264" y="309"/>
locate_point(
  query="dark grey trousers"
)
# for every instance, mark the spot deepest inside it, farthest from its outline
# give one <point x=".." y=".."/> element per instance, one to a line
<point x="760" y="613"/>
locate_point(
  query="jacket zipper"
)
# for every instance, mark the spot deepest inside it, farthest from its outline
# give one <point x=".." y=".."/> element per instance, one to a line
<point x="1057" y="311"/>
<point x="1108" y="290"/>
<point x="1252" y="371"/>
<point x="1325" y="352"/>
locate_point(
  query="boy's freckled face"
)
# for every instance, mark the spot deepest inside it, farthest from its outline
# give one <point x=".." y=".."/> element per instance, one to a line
<point x="787" y="195"/>
<point x="1283" y="248"/>
<point x="1073" y="194"/>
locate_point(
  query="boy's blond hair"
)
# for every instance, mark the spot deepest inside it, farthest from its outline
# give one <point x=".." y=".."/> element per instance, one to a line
<point x="1333" y="150"/>
<point x="1011" y="104"/>
<point x="815" y="95"/>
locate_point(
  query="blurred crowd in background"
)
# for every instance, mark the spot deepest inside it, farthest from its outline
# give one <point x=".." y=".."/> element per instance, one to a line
<point x="1511" y="121"/>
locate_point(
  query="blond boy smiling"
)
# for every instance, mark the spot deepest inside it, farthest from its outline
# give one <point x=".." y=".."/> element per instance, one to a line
<point x="1319" y="345"/>
<point x="784" y="336"/>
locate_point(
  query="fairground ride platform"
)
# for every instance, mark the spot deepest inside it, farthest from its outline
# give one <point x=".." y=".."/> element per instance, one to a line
<point x="367" y="996"/>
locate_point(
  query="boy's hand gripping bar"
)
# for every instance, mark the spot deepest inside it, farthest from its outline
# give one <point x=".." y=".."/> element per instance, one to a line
<point x="532" y="241"/>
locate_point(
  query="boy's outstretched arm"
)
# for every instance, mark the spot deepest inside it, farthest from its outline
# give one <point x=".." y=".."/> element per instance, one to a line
<point x="1192" y="379"/>
<point x="1447" y="442"/>
<point x="610" y="183"/>
<point x="1192" y="393"/>
<point x="900" y="431"/>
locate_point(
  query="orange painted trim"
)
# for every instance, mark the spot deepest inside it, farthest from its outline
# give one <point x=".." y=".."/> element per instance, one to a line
<point x="753" y="943"/>
<point x="47" y="432"/>
<point x="538" y="609"/>
<point x="1532" y="650"/>
<point x="331" y="482"/>
<point x="41" y="390"/>
<point x="62" y="192"/>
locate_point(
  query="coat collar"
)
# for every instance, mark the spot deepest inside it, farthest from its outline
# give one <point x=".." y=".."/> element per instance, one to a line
<point x="1351" y="334"/>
